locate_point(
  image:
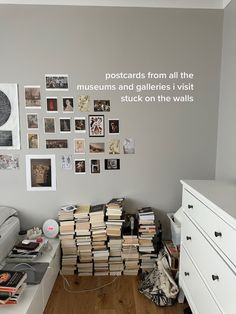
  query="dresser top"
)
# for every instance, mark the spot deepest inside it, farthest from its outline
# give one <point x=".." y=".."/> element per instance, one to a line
<point x="220" y="195"/>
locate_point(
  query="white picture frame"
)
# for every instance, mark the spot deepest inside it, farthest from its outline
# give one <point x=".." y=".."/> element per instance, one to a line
<point x="40" y="173"/>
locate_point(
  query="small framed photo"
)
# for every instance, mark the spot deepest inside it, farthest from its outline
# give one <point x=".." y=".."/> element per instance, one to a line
<point x="114" y="126"/>
<point x="66" y="162"/>
<point x="56" y="81"/>
<point x="79" y="146"/>
<point x="65" y="126"/>
<point x="112" y="164"/>
<point x="33" y="140"/>
<point x="52" y="104"/>
<point x="95" y="148"/>
<point x="49" y="125"/>
<point x="128" y="146"/>
<point x="80" y="166"/>
<point x="32" y="97"/>
<point x="96" y="125"/>
<point x="95" y="166"/>
<point x="55" y="143"/>
<point x="80" y="125"/>
<point x="102" y="105"/>
<point x="84" y="103"/>
<point x="114" y="147"/>
<point x="40" y="173"/>
<point x="68" y="104"/>
<point x="32" y="121"/>
<point x="9" y="162"/>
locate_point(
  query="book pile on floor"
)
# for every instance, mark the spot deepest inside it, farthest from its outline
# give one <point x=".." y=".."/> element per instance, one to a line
<point x="12" y="285"/>
<point x="83" y="240"/>
<point x="68" y="244"/>
<point x="99" y="239"/>
<point x="114" y="214"/>
<point x="130" y="254"/>
<point x="147" y="231"/>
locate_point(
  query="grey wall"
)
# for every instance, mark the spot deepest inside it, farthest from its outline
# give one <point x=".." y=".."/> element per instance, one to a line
<point x="173" y="140"/>
<point x="226" y="148"/>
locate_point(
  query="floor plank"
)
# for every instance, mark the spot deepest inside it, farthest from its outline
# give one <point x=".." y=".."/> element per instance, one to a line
<point x="120" y="297"/>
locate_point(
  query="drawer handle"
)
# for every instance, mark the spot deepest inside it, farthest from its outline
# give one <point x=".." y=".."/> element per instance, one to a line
<point x="215" y="277"/>
<point x="218" y="234"/>
<point x="186" y="273"/>
<point x="188" y="238"/>
<point x="190" y="206"/>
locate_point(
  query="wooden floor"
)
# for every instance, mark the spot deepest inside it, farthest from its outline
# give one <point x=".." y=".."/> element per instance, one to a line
<point x="121" y="297"/>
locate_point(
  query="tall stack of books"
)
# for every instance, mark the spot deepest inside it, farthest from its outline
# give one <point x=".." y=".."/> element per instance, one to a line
<point x="99" y="238"/>
<point x="83" y="240"/>
<point x="147" y="231"/>
<point x="68" y="244"/>
<point x="130" y="254"/>
<point x="114" y="222"/>
<point x="12" y="285"/>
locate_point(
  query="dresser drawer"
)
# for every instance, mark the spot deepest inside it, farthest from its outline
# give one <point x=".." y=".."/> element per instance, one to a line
<point x="212" y="267"/>
<point x="221" y="233"/>
<point x="197" y="293"/>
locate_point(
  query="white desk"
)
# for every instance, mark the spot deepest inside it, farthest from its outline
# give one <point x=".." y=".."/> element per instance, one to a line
<point x="35" y="297"/>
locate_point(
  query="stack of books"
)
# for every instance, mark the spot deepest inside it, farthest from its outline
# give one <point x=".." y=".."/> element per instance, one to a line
<point x="68" y="244"/>
<point x="115" y="260"/>
<point x="100" y="258"/>
<point x="147" y="232"/>
<point x="83" y="240"/>
<point x="12" y="285"/>
<point x="114" y="209"/>
<point x="130" y="254"/>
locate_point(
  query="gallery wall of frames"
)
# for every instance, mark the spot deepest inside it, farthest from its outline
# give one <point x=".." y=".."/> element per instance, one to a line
<point x="77" y="124"/>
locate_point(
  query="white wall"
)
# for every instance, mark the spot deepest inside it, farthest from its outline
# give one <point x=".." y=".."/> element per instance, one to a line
<point x="173" y="140"/>
<point x="226" y="148"/>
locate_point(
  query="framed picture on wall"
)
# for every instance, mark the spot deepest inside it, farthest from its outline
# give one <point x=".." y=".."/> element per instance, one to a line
<point x="40" y="173"/>
<point x="96" y="125"/>
<point x="33" y="97"/>
<point x="56" y="81"/>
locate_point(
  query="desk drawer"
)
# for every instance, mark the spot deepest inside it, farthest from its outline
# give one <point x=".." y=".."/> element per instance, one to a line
<point x="212" y="267"/>
<point x="197" y="293"/>
<point x="217" y="229"/>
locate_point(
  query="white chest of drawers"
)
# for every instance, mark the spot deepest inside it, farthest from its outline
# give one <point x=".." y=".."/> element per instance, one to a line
<point x="208" y="246"/>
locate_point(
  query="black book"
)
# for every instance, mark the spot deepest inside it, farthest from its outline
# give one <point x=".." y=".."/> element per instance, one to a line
<point x="97" y="208"/>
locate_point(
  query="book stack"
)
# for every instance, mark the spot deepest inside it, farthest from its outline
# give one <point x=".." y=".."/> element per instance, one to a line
<point x="100" y="258"/>
<point x="130" y="254"/>
<point x="114" y="221"/>
<point x="147" y="232"/>
<point x="12" y="285"/>
<point x="115" y="260"/>
<point x="83" y="240"/>
<point x="68" y="244"/>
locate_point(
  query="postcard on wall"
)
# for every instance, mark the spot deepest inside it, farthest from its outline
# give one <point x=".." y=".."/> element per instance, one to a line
<point x="33" y="140"/>
<point x="66" y="162"/>
<point x="96" y="125"/>
<point x="32" y="97"/>
<point x="128" y="146"/>
<point x="49" y="125"/>
<point x="56" y="143"/>
<point x="79" y="146"/>
<point x="52" y="104"/>
<point x="112" y="164"/>
<point x="9" y="162"/>
<point x="40" y="173"/>
<point x="65" y="126"/>
<point x="80" y="125"/>
<point x="114" y="126"/>
<point x="9" y="117"/>
<point x="84" y="103"/>
<point x="95" y="166"/>
<point x="32" y="121"/>
<point x="80" y="166"/>
<point x="114" y="146"/>
<point x="68" y="104"/>
<point x="57" y="81"/>
<point x="102" y="105"/>
<point x="96" y="148"/>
